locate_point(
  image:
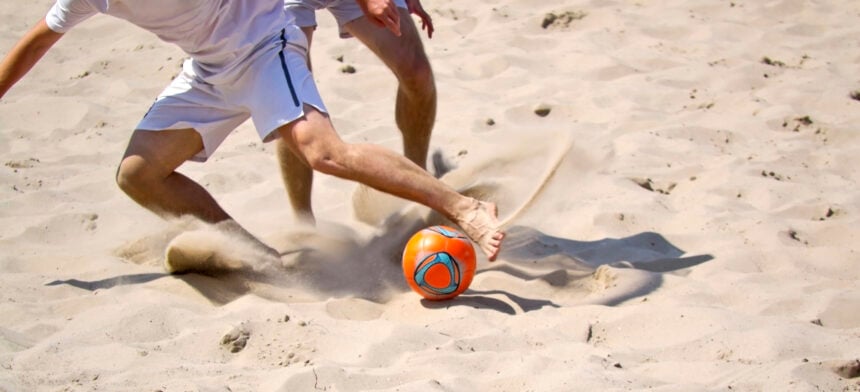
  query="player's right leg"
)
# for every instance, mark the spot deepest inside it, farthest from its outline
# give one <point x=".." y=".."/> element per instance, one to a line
<point x="187" y="122"/>
<point x="314" y="139"/>
<point x="148" y="175"/>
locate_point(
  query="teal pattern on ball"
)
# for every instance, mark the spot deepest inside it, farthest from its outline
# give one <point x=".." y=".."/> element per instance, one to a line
<point x="431" y="261"/>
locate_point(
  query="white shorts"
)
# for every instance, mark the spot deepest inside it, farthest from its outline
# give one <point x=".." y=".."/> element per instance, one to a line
<point x="344" y="11"/>
<point x="272" y="92"/>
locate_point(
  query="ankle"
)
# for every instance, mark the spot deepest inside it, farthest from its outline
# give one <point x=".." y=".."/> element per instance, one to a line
<point x="464" y="208"/>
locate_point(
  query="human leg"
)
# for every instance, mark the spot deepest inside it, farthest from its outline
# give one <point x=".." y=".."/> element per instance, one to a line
<point x="297" y="176"/>
<point x="147" y="174"/>
<point x="187" y="122"/>
<point x="298" y="180"/>
<point x="415" y="105"/>
<point x="315" y="141"/>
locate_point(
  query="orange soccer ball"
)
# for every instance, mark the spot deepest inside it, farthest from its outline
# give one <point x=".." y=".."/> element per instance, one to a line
<point x="439" y="263"/>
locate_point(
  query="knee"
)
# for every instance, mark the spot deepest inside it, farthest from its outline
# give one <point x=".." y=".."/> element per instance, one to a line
<point x="315" y="141"/>
<point x="331" y="157"/>
<point x="133" y="177"/>
<point x="415" y="74"/>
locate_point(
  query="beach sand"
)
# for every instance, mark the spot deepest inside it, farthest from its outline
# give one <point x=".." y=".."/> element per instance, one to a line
<point x="679" y="182"/>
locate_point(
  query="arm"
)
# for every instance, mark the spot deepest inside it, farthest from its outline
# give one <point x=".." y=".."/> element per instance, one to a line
<point x="25" y="54"/>
<point x="382" y="13"/>
<point x="426" y="21"/>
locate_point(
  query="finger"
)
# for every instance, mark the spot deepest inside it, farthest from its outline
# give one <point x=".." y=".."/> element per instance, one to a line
<point x="392" y="20"/>
<point x="426" y="22"/>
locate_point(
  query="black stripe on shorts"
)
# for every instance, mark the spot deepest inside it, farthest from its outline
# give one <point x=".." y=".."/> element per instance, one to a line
<point x="286" y="70"/>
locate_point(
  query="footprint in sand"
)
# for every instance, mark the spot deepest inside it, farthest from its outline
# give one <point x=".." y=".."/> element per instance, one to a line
<point x="849" y="370"/>
<point x="353" y="309"/>
<point x="236" y="339"/>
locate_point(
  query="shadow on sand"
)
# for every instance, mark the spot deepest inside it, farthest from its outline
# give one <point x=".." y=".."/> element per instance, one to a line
<point x="107" y="283"/>
<point x="563" y="264"/>
<point x="370" y="269"/>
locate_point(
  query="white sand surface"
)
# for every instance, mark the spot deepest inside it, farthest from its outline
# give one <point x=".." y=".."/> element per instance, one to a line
<point x="685" y="217"/>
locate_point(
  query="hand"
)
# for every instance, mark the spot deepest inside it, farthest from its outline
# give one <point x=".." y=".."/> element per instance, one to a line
<point x="426" y="21"/>
<point x="382" y="13"/>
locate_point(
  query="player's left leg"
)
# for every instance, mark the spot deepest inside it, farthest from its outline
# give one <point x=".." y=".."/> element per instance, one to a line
<point x="415" y="110"/>
<point x="297" y="176"/>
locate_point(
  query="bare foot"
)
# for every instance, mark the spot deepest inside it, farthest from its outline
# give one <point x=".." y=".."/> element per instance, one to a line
<point x="196" y="251"/>
<point x="222" y="247"/>
<point x="481" y="224"/>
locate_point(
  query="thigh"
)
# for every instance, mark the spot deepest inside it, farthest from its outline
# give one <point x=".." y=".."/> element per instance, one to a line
<point x="189" y="104"/>
<point x="164" y="150"/>
<point x="348" y="11"/>
<point x="398" y="53"/>
<point x="277" y="87"/>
